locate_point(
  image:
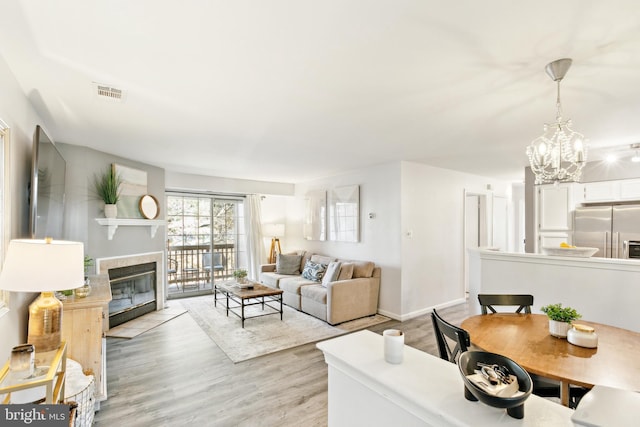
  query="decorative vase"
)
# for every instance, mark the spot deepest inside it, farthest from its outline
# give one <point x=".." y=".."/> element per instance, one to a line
<point x="242" y="280"/>
<point x="558" y="329"/>
<point x="110" y="211"/>
<point x="83" y="291"/>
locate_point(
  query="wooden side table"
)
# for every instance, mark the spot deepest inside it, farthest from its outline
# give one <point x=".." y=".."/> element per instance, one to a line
<point x="53" y="379"/>
<point x="85" y="322"/>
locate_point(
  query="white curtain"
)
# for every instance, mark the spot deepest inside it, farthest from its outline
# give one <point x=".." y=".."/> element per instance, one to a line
<point x="255" y="247"/>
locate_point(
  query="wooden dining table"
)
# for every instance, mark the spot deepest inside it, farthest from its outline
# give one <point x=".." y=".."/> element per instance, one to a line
<point x="525" y="339"/>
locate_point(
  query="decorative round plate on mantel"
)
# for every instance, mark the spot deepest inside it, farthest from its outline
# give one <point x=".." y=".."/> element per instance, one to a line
<point x="149" y="207"/>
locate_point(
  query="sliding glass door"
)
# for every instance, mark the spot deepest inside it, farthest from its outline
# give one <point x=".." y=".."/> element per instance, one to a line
<point x="205" y="241"/>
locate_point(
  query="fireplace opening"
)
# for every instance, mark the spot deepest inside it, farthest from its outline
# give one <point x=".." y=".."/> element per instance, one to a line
<point x="133" y="292"/>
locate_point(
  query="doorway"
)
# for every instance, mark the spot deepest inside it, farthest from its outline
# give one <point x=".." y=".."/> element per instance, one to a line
<point x="205" y="241"/>
<point x="475" y="228"/>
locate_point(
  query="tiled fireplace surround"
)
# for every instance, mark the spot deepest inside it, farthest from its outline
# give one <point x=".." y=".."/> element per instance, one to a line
<point x="103" y="265"/>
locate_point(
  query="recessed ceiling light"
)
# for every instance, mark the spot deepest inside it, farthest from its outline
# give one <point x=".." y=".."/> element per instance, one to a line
<point x="611" y="158"/>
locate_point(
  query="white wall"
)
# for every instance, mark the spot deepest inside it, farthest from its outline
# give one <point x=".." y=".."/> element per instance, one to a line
<point x="18" y="114"/>
<point x="273" y="210"/>
<point x="420" y="272"/>
<point x="379" y="237"/>
<point x="432" y="222"/>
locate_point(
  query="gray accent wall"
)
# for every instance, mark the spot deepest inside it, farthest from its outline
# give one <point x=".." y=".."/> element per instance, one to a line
<point x="82" y="206"/>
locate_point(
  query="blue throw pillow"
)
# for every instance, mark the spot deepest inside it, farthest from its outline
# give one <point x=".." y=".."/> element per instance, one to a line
<point x="313" y="271"/>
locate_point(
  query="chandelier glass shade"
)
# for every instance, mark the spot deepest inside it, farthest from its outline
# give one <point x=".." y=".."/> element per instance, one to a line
<point x="559" y="154"/>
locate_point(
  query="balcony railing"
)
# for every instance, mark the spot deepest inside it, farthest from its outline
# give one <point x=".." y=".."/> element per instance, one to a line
<point x="193" y="268"/>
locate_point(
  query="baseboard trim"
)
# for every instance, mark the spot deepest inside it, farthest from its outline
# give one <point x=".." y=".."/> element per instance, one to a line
<point x="423" y="311"/>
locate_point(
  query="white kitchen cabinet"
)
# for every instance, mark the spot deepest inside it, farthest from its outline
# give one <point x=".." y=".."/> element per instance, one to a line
<point x="610" y="191"/>
<point x="603" y="191"/>
<point x="554" y="214"/>
<point x="630" y="189"/>
<point x="553" y="239"/>
<point x="555" y="203"/>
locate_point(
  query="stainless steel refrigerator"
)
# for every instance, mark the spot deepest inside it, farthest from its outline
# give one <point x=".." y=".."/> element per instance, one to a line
<point x="608" y="228"/>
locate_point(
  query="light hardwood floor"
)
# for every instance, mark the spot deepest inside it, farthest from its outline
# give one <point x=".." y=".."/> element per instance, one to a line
<point x="174" y="375"/>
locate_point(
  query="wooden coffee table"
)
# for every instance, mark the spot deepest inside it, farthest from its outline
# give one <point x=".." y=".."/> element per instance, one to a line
<point x="235" y="299"/>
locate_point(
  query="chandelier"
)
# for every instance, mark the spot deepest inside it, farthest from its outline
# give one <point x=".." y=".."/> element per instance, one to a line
<point x="559" y="154"/>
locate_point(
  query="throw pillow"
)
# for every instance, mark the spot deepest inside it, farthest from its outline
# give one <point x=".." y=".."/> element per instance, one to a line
<point x="322" y="259"/>
<point x="288" y="264"/>
<point x="331" y="275"/>
<point x="362" y="269"/>
<point x="346" y="271"/>
<point x="314" y="271"/>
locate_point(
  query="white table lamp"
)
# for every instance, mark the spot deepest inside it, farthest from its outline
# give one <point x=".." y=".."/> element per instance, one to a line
<point x="43" y="266"/>
<point x="275" y="231"/>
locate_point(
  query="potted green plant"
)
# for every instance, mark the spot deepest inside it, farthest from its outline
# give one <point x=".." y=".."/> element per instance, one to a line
<point x="88" y="262"/>
<point x="240" y="275"/>
<point x="560" y="318"/>
<point x="108" y="188"/>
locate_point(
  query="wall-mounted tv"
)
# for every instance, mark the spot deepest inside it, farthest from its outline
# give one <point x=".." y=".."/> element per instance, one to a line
<point x="47" y="187"/>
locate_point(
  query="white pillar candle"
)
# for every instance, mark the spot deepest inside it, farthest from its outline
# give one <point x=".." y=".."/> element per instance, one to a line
<point x="393" y="345"/>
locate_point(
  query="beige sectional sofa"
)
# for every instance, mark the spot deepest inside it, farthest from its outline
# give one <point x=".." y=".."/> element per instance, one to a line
<point x="351" y="294"/>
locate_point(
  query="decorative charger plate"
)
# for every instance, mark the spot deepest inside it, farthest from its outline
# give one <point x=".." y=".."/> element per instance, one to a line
<point x="149" y="207"/>
<point x="581" y="252"/>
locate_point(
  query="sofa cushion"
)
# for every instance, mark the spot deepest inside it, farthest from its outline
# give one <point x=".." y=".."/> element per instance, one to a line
<point x="288" y="264"/>
<point x="294" y="284"/>
<point x="346" y="271"/>
<point x="321" y="259"/>
<point x="362" y="269"/>
<point x="314" y="292"/>
<point x="271" y="279"/>
<point x="331" y="275"/>
<point x="314" y="271"/>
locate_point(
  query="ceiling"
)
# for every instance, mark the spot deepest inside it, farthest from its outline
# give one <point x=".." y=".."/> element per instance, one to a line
<point x="293" y="90"/>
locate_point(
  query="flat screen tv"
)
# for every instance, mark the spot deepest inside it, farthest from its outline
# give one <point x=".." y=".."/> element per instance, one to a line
<point x="47" y="187"/>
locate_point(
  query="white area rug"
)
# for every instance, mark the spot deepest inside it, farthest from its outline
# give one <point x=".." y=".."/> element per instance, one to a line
<point x="141" y="324"/>
<point x="266" y="334"/>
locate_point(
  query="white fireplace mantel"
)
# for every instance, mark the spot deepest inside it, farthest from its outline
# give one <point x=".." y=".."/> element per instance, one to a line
<point x="112" y="224"/>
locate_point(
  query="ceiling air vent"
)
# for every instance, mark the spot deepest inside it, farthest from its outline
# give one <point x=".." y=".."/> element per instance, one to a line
<point x="107" y="92"/>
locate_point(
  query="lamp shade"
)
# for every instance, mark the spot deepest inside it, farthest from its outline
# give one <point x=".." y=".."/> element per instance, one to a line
<point x="35" y="265"/>
<point x="273" y="230"/>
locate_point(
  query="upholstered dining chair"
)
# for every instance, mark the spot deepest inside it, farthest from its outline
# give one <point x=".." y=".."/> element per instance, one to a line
<point x="542" y="386"/>
<point x="487" y="301"/>
<point x="444" y="330"/>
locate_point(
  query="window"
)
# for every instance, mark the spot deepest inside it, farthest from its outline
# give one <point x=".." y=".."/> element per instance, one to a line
<point x="206" y="241"/>
<point x="4" y="206"/>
